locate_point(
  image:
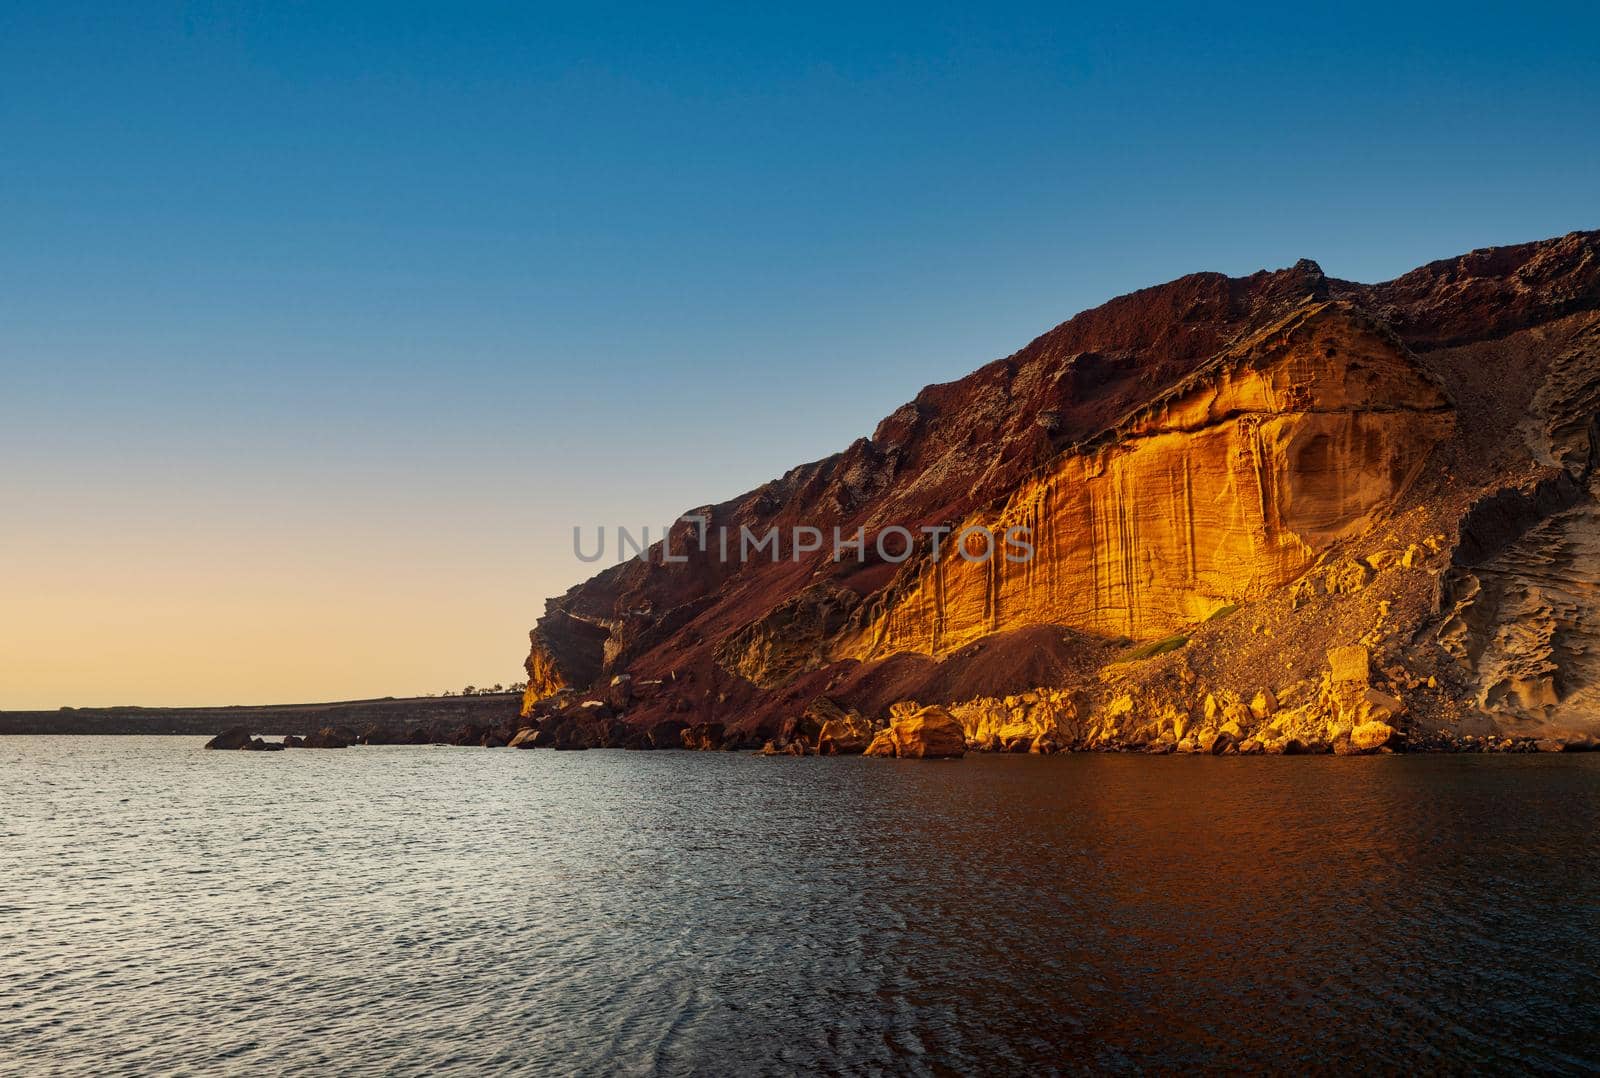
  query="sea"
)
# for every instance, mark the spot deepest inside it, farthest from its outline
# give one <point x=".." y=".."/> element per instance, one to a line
<point x="432" y="909"/>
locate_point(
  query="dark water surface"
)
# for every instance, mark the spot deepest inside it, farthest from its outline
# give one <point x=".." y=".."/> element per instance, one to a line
<point x="411" y="910"/>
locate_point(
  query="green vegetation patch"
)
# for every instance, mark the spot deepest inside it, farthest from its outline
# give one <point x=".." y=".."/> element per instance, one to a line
<point x="1221" y="612"/>
<point x="1154" y="648"/>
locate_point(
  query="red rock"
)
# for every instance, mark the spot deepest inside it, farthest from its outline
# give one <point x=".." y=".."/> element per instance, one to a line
<point x="757" y="640"/>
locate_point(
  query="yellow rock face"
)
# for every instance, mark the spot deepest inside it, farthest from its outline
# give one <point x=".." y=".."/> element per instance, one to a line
<point x="544" y="679"/>
<point x="1057" y="713"/>
<point x="1349" y="664"/>
<point x="1371" y="736"/>
<point x="848" y="734"/>
<point x="1226" y="488"/>
<point x="882" y="745"/>
<point x="926" y="733"/>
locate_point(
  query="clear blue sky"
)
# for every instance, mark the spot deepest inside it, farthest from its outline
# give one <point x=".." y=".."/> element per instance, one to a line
<point x="314" y="309"/>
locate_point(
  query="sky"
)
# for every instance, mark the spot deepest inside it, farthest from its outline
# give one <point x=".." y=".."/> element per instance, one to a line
<point x="323" y="325"/>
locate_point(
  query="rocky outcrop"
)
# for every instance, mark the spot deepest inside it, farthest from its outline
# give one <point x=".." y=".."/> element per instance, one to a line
<point x="921" y="733"/>
<point x="1221" y="481"/>
<point x="704" y="736"/>
<point x="1223" y="490"/>
<point x="795" y="636"/>
<point x="327" y="738"/>
<point x="1016" y="722"/>
<point x="234" y="737"/>
<point x="1518" y="606"/>
<point x="845" y="735"/>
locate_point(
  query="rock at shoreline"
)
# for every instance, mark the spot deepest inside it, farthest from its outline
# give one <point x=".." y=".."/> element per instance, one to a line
<point x="1372" y="736"/>
<point x="882" y="744"/>
<point x="1267" y="508"/>
<point x="925" y="733"/>
<point x="234" y="737"/>
<point x="844" y="736"/>
<point x="667" y="734"/>
<point x="704" y="736"/>
<point x="325" y="738"/>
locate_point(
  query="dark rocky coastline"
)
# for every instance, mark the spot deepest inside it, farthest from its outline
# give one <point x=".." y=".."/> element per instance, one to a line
<point x="428" y="712"/>
<point x="572" y="722"/>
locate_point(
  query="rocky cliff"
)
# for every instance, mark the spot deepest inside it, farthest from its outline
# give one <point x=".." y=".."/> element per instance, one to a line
<point x="1258" y="513"/>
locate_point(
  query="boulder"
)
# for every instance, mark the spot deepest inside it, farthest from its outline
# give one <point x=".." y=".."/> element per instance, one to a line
<point x="234" y="737"/>
<point x="1372" y="736"/>
<point x="704" y="736"/>
<point x="326" y="738"/>
<point x="1349" y="664"/>
<point x="924" y="733"/>
<point x="845" y="735"/>
<point x="619" y="694"/>
<point x="568" y="730"/>
<point x="929" y="733"/>
<point x="1044" y="745"/>
<point x="1346" y="577"/>
<point x="882" y="744"/>
<point x="1376" y="706"/>
<point x="666" y="734"/>
<point x="524" y="738"/>
<point x="1265" y="704"/>
<point x="809" y="723"/>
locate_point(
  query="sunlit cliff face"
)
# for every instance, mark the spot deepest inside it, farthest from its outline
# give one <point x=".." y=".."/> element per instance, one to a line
<point x="1403" y="471"/>
<point x="1226" y="488"/>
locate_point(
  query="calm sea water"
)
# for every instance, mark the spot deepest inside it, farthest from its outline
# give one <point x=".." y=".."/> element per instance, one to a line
<point x="412" y="910"/>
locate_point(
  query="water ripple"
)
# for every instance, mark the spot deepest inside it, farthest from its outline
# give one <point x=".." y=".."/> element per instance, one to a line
<point x="416" y="910"/>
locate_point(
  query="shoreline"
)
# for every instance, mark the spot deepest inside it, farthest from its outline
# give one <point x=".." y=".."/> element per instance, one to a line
<point x="300" y="719"/>
<point x="492" y="721"/>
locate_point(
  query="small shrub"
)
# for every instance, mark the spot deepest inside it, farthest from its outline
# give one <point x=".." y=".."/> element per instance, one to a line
<point x="1154" y="648"/>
